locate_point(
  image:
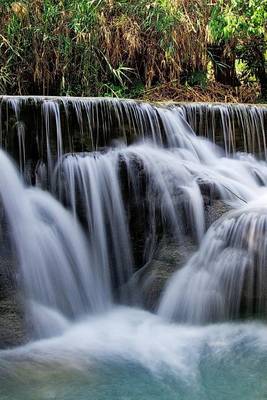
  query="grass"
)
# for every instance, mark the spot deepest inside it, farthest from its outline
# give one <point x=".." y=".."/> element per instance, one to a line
<point x="117" y="48"/>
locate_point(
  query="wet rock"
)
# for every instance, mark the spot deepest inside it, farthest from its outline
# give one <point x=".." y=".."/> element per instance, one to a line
<point x="7" y="278"/>
<point x="150" y="281"/>
<point x="169" y="256"/>
<point x="12" y="326"/>
<point x="214" y="209"/>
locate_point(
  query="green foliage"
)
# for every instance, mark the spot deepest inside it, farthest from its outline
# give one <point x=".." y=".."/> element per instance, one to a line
<point x="118" y="47"/>
<point x="198" y="78"/>
<point x="238" y="19"/>
<point x="240" y="26"/>
<point x="84" y="14"/>
<point x="161" y="15"/>
<point x="91" y="47"/>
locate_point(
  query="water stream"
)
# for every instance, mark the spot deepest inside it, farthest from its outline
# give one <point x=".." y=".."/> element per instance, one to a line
<point x="75" y="211"/>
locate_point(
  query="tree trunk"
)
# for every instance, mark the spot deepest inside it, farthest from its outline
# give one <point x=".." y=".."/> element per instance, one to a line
<point x="261" y="73"/>
<point x="224" y="65"/>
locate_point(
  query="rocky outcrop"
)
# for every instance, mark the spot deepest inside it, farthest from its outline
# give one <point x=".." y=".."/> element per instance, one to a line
<point x="214" y="210"/>
<point x="12" y="325"/>
<point x="170" y="256"/>
<point x="149" y="281"/>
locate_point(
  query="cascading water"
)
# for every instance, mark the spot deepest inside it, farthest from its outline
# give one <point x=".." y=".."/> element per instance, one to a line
<point x="78" y="124"/>
<point x="227" y="274"/>
<point x="122" y="172"/>
<point x="235" y="126"/>
<point x="51" y="248"/>
<point x="91" y="184"/>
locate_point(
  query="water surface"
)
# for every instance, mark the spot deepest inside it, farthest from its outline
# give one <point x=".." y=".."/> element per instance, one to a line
<point x="131" y="354"/>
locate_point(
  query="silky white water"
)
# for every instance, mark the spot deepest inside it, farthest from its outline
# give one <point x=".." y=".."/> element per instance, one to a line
<point x="129" y="354"/>
<point x="227" y="273"/>
<point x="51" y="249"/>
<point x="76" y="255"/>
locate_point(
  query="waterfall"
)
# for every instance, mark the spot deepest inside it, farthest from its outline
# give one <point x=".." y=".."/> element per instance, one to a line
<point x="234" y="126"/>
<point x="90" y="185"/>
<point x="45" y="128"/>
<point x="51" y="248"/>
<point x="122" y="172"/>
<point x="228" y="274"/>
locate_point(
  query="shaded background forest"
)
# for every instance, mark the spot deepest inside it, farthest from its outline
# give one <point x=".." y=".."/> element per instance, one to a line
<point x="213" y="50"/>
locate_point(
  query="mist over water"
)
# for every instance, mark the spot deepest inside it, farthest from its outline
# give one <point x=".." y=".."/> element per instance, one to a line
<point x="129" y="353"/>
<point x="75" y="251"/>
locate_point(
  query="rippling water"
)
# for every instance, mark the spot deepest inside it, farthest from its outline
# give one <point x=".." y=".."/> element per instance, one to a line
<point x="132" y="354"/>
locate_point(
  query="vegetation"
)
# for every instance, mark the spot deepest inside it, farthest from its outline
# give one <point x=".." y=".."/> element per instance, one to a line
<point x="132" y="48"/>
<point x="238" y="30"/>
